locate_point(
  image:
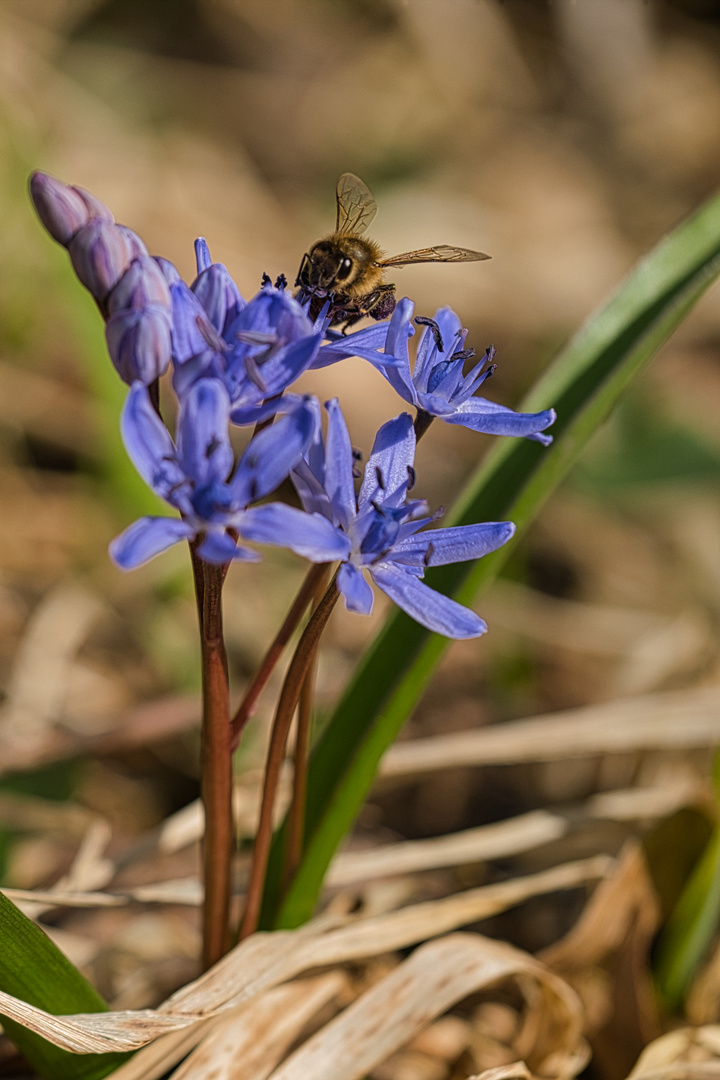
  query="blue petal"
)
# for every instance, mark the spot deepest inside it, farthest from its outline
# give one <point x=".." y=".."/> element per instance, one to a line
<point x="309" y="535"/>
<point x="203" y="366"/>
<point x="219" y="548"/>
<point x="288" y="364"/>
<point x="202" y="432"/>
<point x="381" y="534"/>
<point x="446" y="377"/>
<point x="358" y="594"/>
<point x="273" y="452"/>
<point x="478" y="414"/>
<point x="330" y="354"/>
<point x="400" y="330"/>
<point x="339" y="466"/>
<point x="370" y="337"/>
<point x="386" y="473"/>
<point x="401" y="381"/>
<point x="186" y="310"/>
<point x="476" y="376"/>
<point x="365" y="343"/>
<point x="275" y="312"/>
<point x="149" y="445"/>
<point x="429" y="608"/>
<point x="244" y="415"/>
<point x="428" y="354"/>
<point x="456" y="544"/>
<point x="313" y="495"/>
<point x="202" y="254"/>
<point x="218" y="294"/>
<point x="146" y="538"/>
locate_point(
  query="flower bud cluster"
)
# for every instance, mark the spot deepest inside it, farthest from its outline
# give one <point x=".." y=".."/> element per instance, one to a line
<point x="112" y="262"/>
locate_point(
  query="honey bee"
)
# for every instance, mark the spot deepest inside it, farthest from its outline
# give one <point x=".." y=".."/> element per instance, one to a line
<point x="349" y="269"/>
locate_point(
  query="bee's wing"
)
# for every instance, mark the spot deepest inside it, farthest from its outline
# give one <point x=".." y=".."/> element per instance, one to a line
<point x="356" y="206"/>
<point x="439" y="253"/>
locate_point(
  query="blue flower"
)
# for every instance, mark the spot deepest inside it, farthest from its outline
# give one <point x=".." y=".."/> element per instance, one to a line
<point x="382" y="526"/>
<point x="437" y="385"/>
<point x="257" y="348"/>
<point x="196" y="477"/>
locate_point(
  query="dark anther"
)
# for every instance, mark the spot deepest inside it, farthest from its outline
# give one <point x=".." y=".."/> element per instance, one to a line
<point x="211" y="447"/>
<point x="421" y="320"/>
<point x="411" y="478"/>
<point x="265" y="280"/>
<point x="463" y="354"/>
<point x="281" y="282"/>
<point x="491" y="371"/>
<point x="380" y="478"/>
<point x="429" y="552"/>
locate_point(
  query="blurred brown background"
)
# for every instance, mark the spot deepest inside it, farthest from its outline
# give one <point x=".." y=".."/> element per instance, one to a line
<point x="563" y="138"/>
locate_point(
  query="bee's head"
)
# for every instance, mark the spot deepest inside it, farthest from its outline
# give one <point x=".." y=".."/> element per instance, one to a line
<point x="333" y="265"/>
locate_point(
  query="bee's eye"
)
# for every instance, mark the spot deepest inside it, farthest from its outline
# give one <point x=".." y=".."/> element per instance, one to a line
<point x="344" y="269"/>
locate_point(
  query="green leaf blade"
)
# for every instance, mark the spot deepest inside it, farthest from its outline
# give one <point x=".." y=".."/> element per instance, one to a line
<point x="33" y="969"/>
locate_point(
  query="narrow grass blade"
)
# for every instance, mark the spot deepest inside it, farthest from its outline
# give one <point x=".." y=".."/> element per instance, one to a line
<point x="583" y="384"/>
<point x="693" y="923"/>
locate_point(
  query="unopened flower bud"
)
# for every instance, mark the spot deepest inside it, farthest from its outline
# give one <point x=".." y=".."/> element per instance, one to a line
<point x="61" y="209"/>
<point x="169" y="270"/>
<point x="96" y="209"/>
<point x="139" y="342"/>
<point x="101" y="252"/>
<point x="142" y="283"/>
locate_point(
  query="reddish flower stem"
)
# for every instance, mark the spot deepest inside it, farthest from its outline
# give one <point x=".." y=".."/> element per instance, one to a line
<point x="216" y="783"/>
<point x="296" y="817"/>
<point x="314" y="580"/>
<point x="292" y="687"/>
<point x="422" y="422"/>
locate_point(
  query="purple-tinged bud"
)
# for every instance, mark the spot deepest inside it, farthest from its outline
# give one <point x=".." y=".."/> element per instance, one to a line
<point x="142" y="284"/>
<point x="61" y="209"/>
<point x="96" y="209"/>
<point x="139" y="341"/>
<point x="101" y="252"/>
<point x="168" y="270"/>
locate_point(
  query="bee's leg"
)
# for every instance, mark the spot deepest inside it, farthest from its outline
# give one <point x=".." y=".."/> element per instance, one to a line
<point x="379" y="304"/>
<point x="303" y="276"/>
<point x="348" y="315"/>
<point x="349" y="320"/>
